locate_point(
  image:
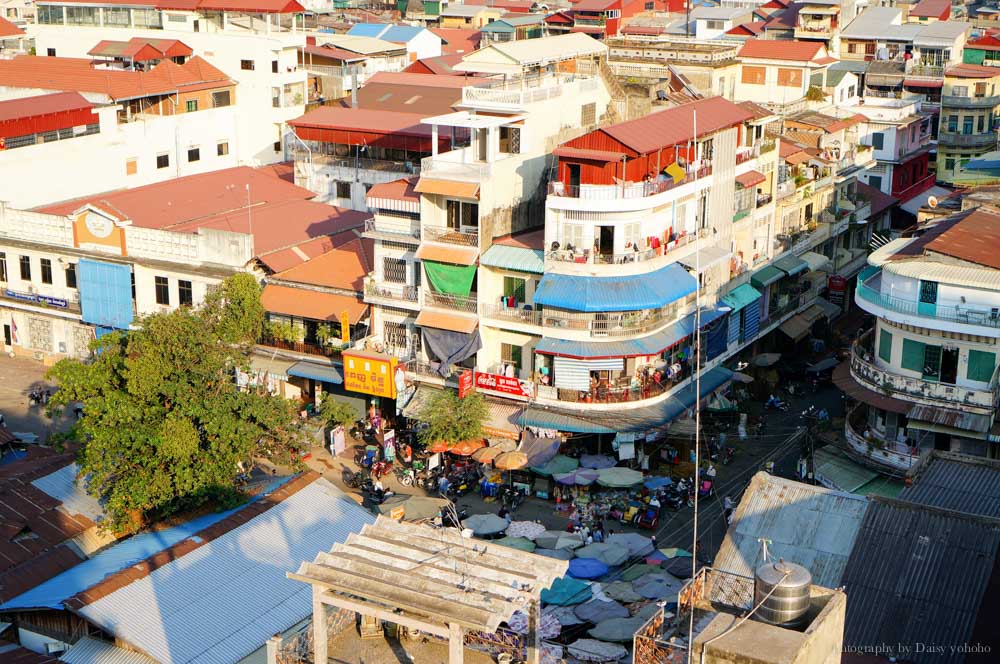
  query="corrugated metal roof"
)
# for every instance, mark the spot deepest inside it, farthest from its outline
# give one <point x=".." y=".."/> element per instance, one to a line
<point x="808" y="525"/>
<point x="766" y="276"/>
<point x="741" y="296"/>
<point x="625" y="293"/>
<point x="917" y="575"/>
<point x="949" y="417"/>
<point x="30" y="107"/>
<point x="957" y="482"/>
<point x="790" y="264"/>
<point x="511" y="56"/>
<point x="93" y="651"/>
<point x="62" y="486"/>
<point x="387" y="32"/>
<point x="514" y="258"/>
<point x="945" y="273"/>
<point x="226" y="598"/>
<point x="835" y="470"/>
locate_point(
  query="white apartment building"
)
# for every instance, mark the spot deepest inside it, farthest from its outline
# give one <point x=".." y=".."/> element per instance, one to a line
<point x="256" y="44"/>
<point x="925" y="377"/>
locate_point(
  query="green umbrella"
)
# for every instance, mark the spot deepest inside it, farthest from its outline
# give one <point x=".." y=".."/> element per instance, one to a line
<point x="566" y="591"/>
<point x="622" y="591"/>
<point x="635" y="571"/>
<point x="674" y="552"/>
<point x="618" y="630"/>
<point x="557" y="465"/>
<point x="520" y="543"/>
<point x="619" y="477"/>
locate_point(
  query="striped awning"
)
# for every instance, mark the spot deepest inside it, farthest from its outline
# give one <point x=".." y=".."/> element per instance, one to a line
<point x="447" y="253"/>
<point x="443" y="321"/>
<point x="452" y="188"/>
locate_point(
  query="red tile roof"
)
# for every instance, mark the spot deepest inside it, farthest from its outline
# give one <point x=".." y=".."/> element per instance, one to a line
<point x="457" y="40"/>
<point x="676" y="125"/>
<point x="594" y="5"/>
<point x="8" y="29"/>
<point x="939" y="9"/>
<point x="986" y="42"/>
<point x="753" y="28"/>
<point x="782" y="49"/>
<point x="283" y="170"/>
<point x="397" y="190"/>
<point x="880" y="202"/>
<point x="534" y="239"/>
<point x="30" y="107"/>
<point x="288" y="257"/>
<point x="784" y="19"/>
<point x="344" y="267"/>
<point x="974" y="238"/>
<point x="311" y="304"/>
<point x="141" y="49"/>
<point x="972" y="71"/>
<point x="442" y="65"/>
<point x="79" y="75"/>
<point x="248" y="6"/>
<point x="357" y="119"/>
<point x="563" y="18"/>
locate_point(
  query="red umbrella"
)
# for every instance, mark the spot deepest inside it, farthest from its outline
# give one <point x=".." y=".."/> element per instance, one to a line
<point x="467" y="447"/>
<point x="440" y="446"/>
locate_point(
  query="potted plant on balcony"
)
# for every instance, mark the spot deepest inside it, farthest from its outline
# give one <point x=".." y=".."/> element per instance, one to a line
<point x="281" y="330"/>
<point x="326" y="335"/>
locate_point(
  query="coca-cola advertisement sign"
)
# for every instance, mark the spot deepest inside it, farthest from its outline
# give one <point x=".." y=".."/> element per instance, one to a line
<point x="504" y="385"/>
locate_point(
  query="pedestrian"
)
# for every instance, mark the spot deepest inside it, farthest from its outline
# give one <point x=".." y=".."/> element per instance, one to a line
<point x="443" y="485"/>
<point x="599" y="531"/>
<point x="710" y="473"/>
<point x="504" y="513"/>
<point x="590" y="539"/>
<point x="652" y="540"/>
<point x="727" y="508"/>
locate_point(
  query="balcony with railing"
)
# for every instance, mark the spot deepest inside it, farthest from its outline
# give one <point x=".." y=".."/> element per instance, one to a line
<point x="391" y="294"/>
<point x="889" y="455"/>
<point x="870" y="297"/>
<point x="625" y="190"/>
<point x="303" y="347"/>
<point x="465" y="238"/>
<point x="467" y="304"/>
<point x="588" y="257"/>
<point x="525" y="315"/>
<point x="389" y="227"/>
<point x="981" y="140"/>
<point x="343" y="164"/>
<point x="970" y="102"/>
<point x="610" y="324"/>
<point x="460" y="164"/>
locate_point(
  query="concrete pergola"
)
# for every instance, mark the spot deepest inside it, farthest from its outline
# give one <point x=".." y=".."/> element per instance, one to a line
<point x="429" y="579"/>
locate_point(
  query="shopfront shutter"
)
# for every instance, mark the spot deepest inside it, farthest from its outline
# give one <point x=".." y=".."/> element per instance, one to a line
<point x="981" y="365"/>
<point x="572" y="374"/>
<point x="734" y="328"/>
<point x="751" y="320"/>
<point x="885" y="346"/>
<point x="913" y="355"/>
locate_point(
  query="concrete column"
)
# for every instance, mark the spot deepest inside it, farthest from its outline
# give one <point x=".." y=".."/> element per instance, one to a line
<point x="434" y="140"/>
<point x="320" y="635"/>
<point x="534" y="643"/>
<point x="273" y="645"/>
<point x="456" y="644"/>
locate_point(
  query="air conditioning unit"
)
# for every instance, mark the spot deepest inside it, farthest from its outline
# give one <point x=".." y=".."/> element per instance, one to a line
<point x="55" y="647"/>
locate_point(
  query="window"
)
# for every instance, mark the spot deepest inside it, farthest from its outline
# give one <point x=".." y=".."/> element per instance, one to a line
<point x="511" y="355"/>
<point x="274" y="66"/>
<point x="162" y="160"/>
<point x="949" y="164"/>
<point x="878" y="140"/>
<point x="162" y="285"/>
<point x="194" y="154"/>
<point x="246" y="65"/>
<point x="185" y="295"/>
<point x="852" y="48"/>
<point x="981" y="365"/>
<point x="913" y="355"/>
<point x="953" y="123"/>
<point x="885" y="346"/>
<point x="981" y="124"/>
<point x="875" y="181"/>
<point x="46" y="271"/>
<point x="588" y="114"/>
<point x="514" y="287"/>
<point x="928" y="292"/>
<point x="71" y="275"/>
<point x="221" y="98"/>
<point x="49" y="15"/>
<point x="117" y="16"/>
<point x="932" y="362"/>
<point x="343" y="190"/>
<point x="222" y="148"/>
<point x="980" y="89"/>
<point x="3" y="266"/>
<point x="25" y="268"/>
<point x="131" y="166"/>
<point x="790" y="78"/>
<point x="277" y="146"/>
<point x="147" y="18"/>
<point x="960" y="91"/>
<point x="967" y="124"/>
<point x="192" y="105"/>
<point x="51" y="52"/>
<point x="715" y="25"/>
<point x="393" y="270"/>
<point x="462" y="214"/>
<point x="754" y="75"/>
<point x="510" y="140"/>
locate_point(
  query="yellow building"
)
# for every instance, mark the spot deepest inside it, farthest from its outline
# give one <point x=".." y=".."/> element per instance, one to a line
<point x="969" y="102"/>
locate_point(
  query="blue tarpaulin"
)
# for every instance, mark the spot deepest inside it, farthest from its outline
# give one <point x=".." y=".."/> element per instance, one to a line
<point x="587" y="568"/>
<point x="567" y="591"/>
<point x="105" y="293"/>
<point x="321" y="372"/>
<point x="626" y="293"/>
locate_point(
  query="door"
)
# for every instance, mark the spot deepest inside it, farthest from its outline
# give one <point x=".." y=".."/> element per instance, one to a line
<point x="7" y="339"/>
<point x="942" y="441"/>
<point x="949" y="365"/>
<point x="197" y="26"/>
<point x="606" y="240"/>
<point x="927" y="304"/>
<point x="574" y="177"/>
<point x="482" y="143"/>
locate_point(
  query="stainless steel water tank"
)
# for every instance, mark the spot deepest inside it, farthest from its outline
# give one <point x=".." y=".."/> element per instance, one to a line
<point x="789" y="602"/>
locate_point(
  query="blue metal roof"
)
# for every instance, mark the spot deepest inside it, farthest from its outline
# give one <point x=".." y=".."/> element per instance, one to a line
<point x="58" y="589"/>
<point x="560" y="420"/>
<point x="626" y="293"/>
<point x="514" y="258"/>
<point x="393" y="33"/>
<point x="321" y="372"/>
<point x="791" y="264"/>
<point x="650" y="345"/>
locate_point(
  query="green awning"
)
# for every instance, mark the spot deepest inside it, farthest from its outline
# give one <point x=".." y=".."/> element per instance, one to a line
<point x="766" y="276"/>
<point x="791" y="265"/>
<point x="450" y="279"/>
<point x="514" y="258"/>
<point x="741" y="296"/>
<point x="834" y="470"/>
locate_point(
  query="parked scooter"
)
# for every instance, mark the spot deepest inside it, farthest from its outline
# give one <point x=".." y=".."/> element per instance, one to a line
<point x="706" y="490"/>
<point x="774" y="403"/>
<point x="512" y="497"/>
<point x="728" y="455"/>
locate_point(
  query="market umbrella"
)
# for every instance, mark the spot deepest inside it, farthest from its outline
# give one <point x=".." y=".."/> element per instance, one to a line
<point x="439" y="446"/>
<point x="566" y="591"/>
<point x="564" y="614"/>
<point x="674" y="552"/>
<point x="485" y="524"/>
<point x="558" y="554"/>
<point x="649" y="610"/>
<point x="551" y="653"/>
<point x="637" y="545"/>
<point x="766" y="359"/>
<point x="653" y="483"/>
<point x="609" y="553"/>
<point x="740" y="377"/>
<point x="548" y="625"/>
<point x="657" y="586"/>
<point x="597" y="461"/>
<point x="618" y="477"/>
<point x="596" y="610"/>
<point x="486" y="454"/>
<point x="558" y="464"/>
<point x="511" y="461"/>
<point x="618" y="630"/>
<point x="823" y="365"/>
<point x="520" y="543"/>
<point x="587" y="568"/>
<point x="467" y="447"/>
<point x="635" y="571"/>
<point x="529" y="529"/>
<point x="415" y="508"/>
<point x="679" y="567"/>
<point x="655" y="558"/>
<point x="592" y="650"/>
<point x="580" y="477"/>
<point x="558" y="539"/>
<point x="622" y="591"/>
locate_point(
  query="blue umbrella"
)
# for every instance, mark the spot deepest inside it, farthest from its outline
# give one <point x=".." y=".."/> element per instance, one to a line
<point x="653" y="483"/>
<point x="597" y="461"/>
<point x="566" y="591"/>
<point x="587" y="568"/>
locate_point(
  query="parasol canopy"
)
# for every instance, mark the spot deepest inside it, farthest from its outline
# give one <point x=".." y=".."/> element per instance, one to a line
<point x="485" y="524"/>
<point x="558" y="554"/>
<point x="529" y="529"/>
<point x="467" y="447"/>
<point x="618" y="477"/>
<point x="557" y="465"/>
<point x="609" y="553"/>
<point x="637" y="545"/>
<point x="548" y="624"/>
<point x="679" y="567"/>
<point x="823" y="365"/>
<point x="558" y="539"/>
<point x="511" y="461"/>
<point x="597" y="461"/>
<point x="592" y="650"/>
<point x="486" y="454"/>
<point x="519" y="543"/>
<point x="657" y="586"/>
<point x="439" y="446"/>
<point x="674" y="552"/>
<point x="653" y="483"/>
<point x="566" y="591"/>
<point x="766" y="359"/>
<point x="579" y="477"/>
<point x="618" y="630"/>
<point x="596" y="611"/>
<point x="564" y="614"/>
<point x="415" y="508"/>
<point x="587" y="568"/>
<point x="622" y="591"/>
<point x="635" y="571"/>
<point x="740" y="377"/>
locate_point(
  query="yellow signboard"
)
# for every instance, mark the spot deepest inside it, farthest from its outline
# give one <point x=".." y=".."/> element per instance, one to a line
<point x="345" y="327"/>
<point x="370" y="373"/>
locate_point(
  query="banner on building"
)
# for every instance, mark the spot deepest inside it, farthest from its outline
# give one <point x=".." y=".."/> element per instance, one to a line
<point x="370" y="373"/>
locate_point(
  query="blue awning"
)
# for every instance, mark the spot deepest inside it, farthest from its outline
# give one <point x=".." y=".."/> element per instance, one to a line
<point x="321" y="372"/>
<point x="741" y="296"/>
<point x="650" y="345"/>
<point x="626" y="293"/>
<point x="514" y="258"/>
<point x="560" y="420"/>
<point x="791" y="265"/>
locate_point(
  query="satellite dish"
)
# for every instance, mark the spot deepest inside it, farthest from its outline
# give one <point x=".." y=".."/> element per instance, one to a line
<point x="932" y="201"/>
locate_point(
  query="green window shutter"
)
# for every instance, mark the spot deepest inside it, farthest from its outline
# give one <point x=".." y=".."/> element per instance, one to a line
<point x="913" y="355"/>
<point x="981" y="365"/>
<point x="885" y="346"/>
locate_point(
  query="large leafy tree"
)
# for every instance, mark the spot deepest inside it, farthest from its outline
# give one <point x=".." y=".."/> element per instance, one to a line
<point x="165" y="427"/>
<point x="452" y="419"/>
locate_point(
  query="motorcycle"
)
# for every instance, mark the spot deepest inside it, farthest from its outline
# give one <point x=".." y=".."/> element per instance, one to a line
<point x="512" y="498"/>
<point x="451" y="517"/>
<point x="428" y="481"/>
<point x="355" y="480"/>
<point x="462" y="484"/>
<point x="774" y="403"/>
<point x="374" y="495"/>
<point x="364" y="431"/>
<point x="730" y="452"/>
<point x="380" y="469"/>
<point x="706" y="490"/>
<point x="405" y="476"/>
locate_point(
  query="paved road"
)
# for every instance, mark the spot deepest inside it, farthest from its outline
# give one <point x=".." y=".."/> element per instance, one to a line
<point x="17" y="377"/>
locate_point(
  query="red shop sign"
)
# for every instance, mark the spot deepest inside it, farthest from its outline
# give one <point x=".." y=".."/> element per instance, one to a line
<point x="498" y="383"/>
<point x="464" y="383"/>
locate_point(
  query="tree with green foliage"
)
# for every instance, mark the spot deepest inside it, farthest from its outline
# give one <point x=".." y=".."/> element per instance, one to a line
<point x="451" y="419"/>
<point x="165" y="427"/>
<point x="335" y="413"/>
